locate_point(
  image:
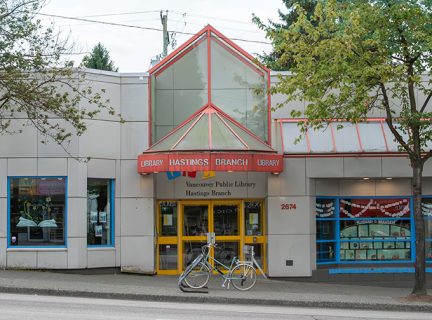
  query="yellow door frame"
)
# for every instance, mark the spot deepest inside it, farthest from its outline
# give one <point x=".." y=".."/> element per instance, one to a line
<point x="179" y="240"/>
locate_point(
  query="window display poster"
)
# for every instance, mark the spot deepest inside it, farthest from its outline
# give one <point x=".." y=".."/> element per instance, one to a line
<point x="395" y="231"/>
<point x="167" y="221"/>
<point x="93" y="216"/>
<point x="367" y="245"/>
<point x="379" y="230"/>
<point x="102" y="217"/>
<point x="253" y="218"/>
<point x="372" y="254"/>
<point x="349" y="232"/>
<point x="98" y="230"/>
<point x="349" y="254"/>
<point x="363" y="231"/>
<point x="361" y="255"/>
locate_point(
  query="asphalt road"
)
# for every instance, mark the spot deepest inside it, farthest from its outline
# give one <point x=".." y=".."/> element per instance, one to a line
<point x="14" y="307"/>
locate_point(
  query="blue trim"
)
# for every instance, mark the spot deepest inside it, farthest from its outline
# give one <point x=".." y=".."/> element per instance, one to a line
<point x="413" y="246"/>
<point x="112" y="221"/>
<point x="65" y="212"/>
<point x="338" y="240"/>
<point x="337" y="231"/>
<point x="379" y="270"/>
<point x="8" y="212"/>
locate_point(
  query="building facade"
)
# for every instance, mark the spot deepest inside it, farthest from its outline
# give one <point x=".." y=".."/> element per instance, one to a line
<point x="197" y="156"/>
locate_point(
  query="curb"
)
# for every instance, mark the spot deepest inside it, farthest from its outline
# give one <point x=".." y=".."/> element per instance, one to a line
<point x="193" y="298"/>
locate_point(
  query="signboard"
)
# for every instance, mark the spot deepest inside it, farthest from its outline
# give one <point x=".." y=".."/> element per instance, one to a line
<point x="211" y="161"/>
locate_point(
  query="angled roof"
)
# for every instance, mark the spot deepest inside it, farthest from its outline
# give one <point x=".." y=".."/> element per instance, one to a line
<point x="210" y="129"/>
<point x="207" y="32"/>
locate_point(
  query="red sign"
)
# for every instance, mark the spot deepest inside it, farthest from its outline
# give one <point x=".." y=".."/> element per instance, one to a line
<point x="231" y="162"/>
<point x="267" y="162"/>
<point x="215" y="161"/>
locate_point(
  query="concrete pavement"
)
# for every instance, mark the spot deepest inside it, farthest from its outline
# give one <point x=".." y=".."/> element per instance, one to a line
<point x="165" y="288"/>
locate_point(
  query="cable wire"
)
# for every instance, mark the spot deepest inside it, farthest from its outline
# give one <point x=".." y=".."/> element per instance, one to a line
<point x="138" y="27"/>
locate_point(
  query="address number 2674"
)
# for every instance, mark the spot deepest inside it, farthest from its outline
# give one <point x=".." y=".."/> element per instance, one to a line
<point x="288" y="206"/>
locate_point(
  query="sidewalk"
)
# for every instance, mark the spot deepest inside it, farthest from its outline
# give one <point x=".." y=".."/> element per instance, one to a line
<point x="165" y="288"/>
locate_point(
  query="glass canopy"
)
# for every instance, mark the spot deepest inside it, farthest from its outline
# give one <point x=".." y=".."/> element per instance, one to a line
<point x="373" y="136"/>
<point x="210" y="129"/>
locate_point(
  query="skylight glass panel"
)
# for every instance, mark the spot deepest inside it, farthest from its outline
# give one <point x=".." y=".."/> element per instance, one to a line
<point x="291" y="132"/>
<point x="222" y="136"/>
<point x="346" y="139"/>
<point x="393" y="145"/>
<point x="321" y="141"/>
<point x="169" y="141"/>
<point x="252" y="142"/>
<point x="197" y="137"/>
<point x="372" y="137"/>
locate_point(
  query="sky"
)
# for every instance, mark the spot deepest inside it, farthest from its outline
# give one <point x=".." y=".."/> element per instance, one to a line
<point x="132" y="48"/>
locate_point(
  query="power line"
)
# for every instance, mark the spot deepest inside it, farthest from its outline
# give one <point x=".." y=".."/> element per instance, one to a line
<point x="213" y="18"/>
<point x="138" y="27"/>
<point x="171" y="11"/>
<point x="92" y="23"/>
<point x="118" y="14"/>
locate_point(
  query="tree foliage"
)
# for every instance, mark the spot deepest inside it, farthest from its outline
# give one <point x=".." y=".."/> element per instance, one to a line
<point x="272" y="60"/>
<point x="99" y="59"/>
<point x="355" y="56"/>
<point x="37" y="83"/>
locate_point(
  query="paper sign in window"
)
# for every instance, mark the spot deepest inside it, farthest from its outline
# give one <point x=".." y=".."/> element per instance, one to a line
<point x="98" y="230"/>
<point x="253" y="218"/>
<point x="167" y="220"/>
<point x="102" y="217"/>
<point x="93" y="216"/>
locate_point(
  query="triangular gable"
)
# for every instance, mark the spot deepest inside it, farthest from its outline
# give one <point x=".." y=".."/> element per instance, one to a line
<point x="213" y="130"/>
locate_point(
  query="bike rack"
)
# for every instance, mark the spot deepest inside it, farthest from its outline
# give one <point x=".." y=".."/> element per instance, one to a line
<point x="250" y="257"/>
<point x="183" y="287"/>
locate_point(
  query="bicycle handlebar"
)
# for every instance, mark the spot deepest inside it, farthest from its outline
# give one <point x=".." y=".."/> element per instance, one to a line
<point x="209" y="246"/>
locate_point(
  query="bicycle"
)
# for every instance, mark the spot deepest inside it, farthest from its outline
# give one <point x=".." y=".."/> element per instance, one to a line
<point x="197" y="274"/>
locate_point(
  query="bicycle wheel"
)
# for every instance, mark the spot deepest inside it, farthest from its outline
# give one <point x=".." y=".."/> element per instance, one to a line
<point x="243" y="277"/>
<point x="198" y="277"/>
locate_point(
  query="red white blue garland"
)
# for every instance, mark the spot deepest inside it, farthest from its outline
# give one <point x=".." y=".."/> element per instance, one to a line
<point x="373" y="205"/>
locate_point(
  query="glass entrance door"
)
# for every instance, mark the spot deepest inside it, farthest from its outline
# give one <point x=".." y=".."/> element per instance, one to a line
<point x="183" y="227"/>
<point x="202" y="217"/>
<point x="195" y="224"/>
<point x="227" y="228"/>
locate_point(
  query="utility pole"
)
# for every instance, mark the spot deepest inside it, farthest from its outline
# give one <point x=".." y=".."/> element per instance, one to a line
<point x="164" y="20"/>
<point x="165" y="36"/>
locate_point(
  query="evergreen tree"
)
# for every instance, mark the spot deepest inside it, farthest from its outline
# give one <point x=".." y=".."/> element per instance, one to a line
<point x="272" y="60"/>
<point x="99" y="59"/>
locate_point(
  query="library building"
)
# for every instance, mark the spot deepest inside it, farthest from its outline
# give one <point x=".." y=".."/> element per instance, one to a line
<point x="202" y="157"/>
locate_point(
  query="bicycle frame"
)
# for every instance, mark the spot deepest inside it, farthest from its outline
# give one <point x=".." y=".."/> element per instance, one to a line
<point x="228" y="269"/>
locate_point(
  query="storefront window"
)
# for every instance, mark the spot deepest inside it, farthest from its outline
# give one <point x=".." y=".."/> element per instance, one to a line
<point x="191" y="250"/>
<point x="325" y="233"/>
<point x="370" y="229"/>
<point x="427" y="214"/>
<point x="225" y="252"/>
<point x="375" y="229"/>
<point x="253" y="218"/>
<point x="168" y="257"/>
<point x="226" y="218"/>
<point x="99" y="212"/>
<point x="195" y="220"/>
<point x="168" y="218"/>
<point x="37" y="212"/>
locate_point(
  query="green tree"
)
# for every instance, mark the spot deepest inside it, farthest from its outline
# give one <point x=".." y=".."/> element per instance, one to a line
<point x="353" y="56"/>
<point x="99" y="59"/>
<point x="272" y="60"/>
<point x="36" y="81"/>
